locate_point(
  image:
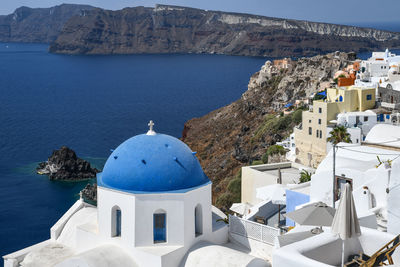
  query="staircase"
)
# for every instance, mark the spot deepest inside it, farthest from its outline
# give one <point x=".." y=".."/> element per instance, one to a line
<point x="382" y="222"/>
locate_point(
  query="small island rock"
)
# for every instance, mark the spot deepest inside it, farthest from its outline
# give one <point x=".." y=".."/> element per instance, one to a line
<point x="89" y="193"/>
<point x="64" y="165"/>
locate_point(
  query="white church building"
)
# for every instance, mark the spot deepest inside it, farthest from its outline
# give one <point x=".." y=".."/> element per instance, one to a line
<point x="153" y="209"/>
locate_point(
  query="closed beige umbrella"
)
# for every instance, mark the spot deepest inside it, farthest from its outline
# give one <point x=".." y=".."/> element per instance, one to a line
<point x="345" y="223"/>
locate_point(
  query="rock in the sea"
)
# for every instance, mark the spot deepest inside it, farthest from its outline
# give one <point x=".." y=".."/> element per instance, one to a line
<point x="89" y="193"/>
<point x="64" y="165"/>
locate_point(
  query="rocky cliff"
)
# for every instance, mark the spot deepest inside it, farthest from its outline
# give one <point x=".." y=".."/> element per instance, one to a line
<point x="240" y="133"/>
<point x="37" y="25"/>
<point x="171" y="29"/>
<point x="64" y="165"/>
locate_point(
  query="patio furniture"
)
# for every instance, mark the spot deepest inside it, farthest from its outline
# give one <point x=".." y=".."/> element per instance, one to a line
<point x="260" y="219"/>
<point x="379" y="258"/>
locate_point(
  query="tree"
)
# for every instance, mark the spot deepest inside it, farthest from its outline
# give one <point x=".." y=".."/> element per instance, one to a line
<point x="305" y="176"/>
<point x="339" y="134"/>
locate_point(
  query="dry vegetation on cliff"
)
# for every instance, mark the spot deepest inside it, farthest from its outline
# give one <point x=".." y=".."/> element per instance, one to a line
<point x="240" y="133"/>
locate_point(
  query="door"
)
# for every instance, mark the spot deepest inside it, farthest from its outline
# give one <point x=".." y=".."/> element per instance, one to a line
<point x="341" y="181"/>
<point x="160" y="232"/>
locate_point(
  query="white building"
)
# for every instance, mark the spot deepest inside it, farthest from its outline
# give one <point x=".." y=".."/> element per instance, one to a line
<point x="376" y="191"/>
<point x="374" y="67"/>
<point x="370" y="177"/>
<point x="363" y="120"/>
<point x="290" y="145"/>
<point x="380" y="69"/>
<point x="153" y="209"/>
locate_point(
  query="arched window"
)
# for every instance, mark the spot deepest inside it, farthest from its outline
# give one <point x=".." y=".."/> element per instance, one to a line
<point x="198" y="220"/>
<point x="116" y="221"/>
<point x="160" y="226"/>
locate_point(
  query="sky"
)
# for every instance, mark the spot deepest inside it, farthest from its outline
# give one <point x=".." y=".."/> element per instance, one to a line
<point x="338" y="11"/>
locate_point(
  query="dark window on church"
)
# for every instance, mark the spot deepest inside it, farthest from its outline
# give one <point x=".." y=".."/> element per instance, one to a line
<point x="198" y="220"/>
<point x="116" y="221"/>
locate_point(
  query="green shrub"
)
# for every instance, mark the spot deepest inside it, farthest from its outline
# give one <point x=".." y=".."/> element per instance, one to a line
<point x="235" y="186"/>
<point x="257" y="162"/>
<point x="272" y="150"/>
<point x="226" y="200"/>
<point x="276" y="149"/>
<point x="233" y="192"/>
<point x="297" y="116"/>
<point x="283" y="123"/>
<point x="277" y="125"/>
<point x="264" y="158"/>
<point x="305" y="176"/>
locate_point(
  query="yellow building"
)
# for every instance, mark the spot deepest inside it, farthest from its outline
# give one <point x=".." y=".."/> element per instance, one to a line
<point x="311" y="137"/>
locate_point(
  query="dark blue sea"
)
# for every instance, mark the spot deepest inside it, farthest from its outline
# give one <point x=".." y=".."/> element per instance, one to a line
<point x="91" y="104"/>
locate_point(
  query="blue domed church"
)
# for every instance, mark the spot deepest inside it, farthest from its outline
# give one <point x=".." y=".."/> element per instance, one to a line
<point x="153" y="209"/>
<point x="152" y="185"/>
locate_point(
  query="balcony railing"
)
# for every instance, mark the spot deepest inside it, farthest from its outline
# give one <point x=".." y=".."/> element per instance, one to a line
<point x="253" y="230"/>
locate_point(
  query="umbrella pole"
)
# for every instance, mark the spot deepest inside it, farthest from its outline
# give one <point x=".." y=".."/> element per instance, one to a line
<point x="342" y="253"/>
<point x="279" y="215"/>
<point x="334" y="176"/>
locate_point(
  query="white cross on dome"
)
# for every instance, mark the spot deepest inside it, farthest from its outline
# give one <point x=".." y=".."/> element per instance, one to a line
<point x="151" y="131"/>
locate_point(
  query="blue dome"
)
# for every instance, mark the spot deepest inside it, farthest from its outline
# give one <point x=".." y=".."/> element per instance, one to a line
<point x="152" y="163"/>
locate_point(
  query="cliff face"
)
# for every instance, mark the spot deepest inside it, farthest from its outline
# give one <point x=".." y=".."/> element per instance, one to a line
<point x="170" y="29"/>
<point x="37" y="25"/>
<point x="239" y="133"/>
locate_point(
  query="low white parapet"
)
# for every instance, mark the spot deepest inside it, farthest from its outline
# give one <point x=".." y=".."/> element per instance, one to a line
<point x="57" y="228"/>
<point x="13" y="259"/>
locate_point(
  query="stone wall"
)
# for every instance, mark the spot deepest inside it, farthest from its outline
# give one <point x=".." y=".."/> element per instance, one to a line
<point x="388" y="95"/>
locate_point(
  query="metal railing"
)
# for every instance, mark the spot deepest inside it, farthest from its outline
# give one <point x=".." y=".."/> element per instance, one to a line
<point x="253" y="230"/>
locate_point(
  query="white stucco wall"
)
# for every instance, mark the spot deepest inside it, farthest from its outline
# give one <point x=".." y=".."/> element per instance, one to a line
<point x="106" y="200"/>
<point x="207" y="254"/>
<point x="394" y="199"/>
<point x="325" y="249"/>
<point x="180" y="211"/>
<point x="374" y="179"/>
